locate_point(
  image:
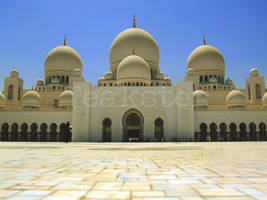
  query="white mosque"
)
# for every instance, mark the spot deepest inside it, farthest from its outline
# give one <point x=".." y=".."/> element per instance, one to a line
<point x="134" y="100"/>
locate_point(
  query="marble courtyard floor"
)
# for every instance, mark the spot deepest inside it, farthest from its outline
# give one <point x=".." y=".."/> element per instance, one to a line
<point x="133" y="170"/>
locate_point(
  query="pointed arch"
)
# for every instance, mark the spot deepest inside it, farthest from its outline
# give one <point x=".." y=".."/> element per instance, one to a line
<point x="159" y="129"/>
<point x="133" y="125"/>
<point x="106" y="130"/>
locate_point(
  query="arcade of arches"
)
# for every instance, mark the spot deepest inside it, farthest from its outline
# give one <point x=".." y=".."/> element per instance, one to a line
<point x="30" y="132"/>
<point x="233" y="132"/>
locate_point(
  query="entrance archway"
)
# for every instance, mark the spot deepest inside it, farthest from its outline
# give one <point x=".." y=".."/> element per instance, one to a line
<point x="106" y="130"/>
<point x="133" y="125"/>
<point x="159" y="129"/>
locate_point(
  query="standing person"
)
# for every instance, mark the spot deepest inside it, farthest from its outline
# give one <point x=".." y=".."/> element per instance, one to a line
<point x="70" y="133"/>
<point x="67" y="132"/>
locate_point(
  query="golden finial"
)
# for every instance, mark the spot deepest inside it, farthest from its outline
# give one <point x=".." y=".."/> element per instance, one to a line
<point x="64" y="40"/>
<point x="204" y="39"/>
<point x="133" y="51"/>
<point x="134" y="24"/>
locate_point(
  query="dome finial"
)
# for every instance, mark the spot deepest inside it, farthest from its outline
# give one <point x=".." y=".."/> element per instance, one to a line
<point x="133" y="51"/>
<point x="134" y="24"/>
<point x="204" y="39"/>
<point x="64" y="40"/>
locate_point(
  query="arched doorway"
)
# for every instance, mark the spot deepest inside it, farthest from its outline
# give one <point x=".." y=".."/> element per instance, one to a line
<point x="4" y="136"/>
<point x="34" y="132"/>
<point x="62" y="133"/>
<point x="252" y="132"/>
<point x="262" y="128"/>
<point x="106" y="130"/>
<point x="53" y="133"/>
<point x="213" y="132"/>
<point x="233" y="132"/>
<point x="24" y="132"/>
<point x="203" y="132"/>
<point x="243" y="132"/>
<point x="133" y="124"/>
<point x="159" y="130"/>
<point x="223" y="132"/>
<point x="43" y="134"/>
<point x="14" y="132"/>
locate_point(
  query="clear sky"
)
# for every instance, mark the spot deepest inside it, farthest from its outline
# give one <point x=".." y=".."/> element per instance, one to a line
<point x="31" y="28"/>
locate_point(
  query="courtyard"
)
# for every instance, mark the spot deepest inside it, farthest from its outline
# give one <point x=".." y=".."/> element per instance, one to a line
<point x="233" y="170"/>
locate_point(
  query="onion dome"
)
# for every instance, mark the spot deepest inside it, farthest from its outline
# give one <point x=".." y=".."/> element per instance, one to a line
<point x="144" y="44"/>
<point x="31" y="98"/>
<point x="235" y="97"/>
<point x="200" y="98"/>
<point x="14" y="73"/>
<point x="2" y="99"/>
<point x="108" y="75"/>
<point x="206" y="58"/>
<point x="39" y="82"/>
<point x="133" y="68"/>
<point x="65" y="98"/>
<point x="62" y="58"/>
<point x="264" y="99"/>
<point x="254" y="72"/>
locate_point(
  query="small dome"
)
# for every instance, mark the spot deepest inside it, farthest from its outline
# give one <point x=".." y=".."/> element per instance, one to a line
<point x="31" y="98"/>
<point x="206" y="57"/>
<point x="235" y="97"/>
<point x="166" y="78"/>
<point x="264" y="99"/>
<point x="63" y="58"/>
<point x="200" y="97"/>
<point x="213" y="79"/>
<point x="100" y="80"/>
<point x="144" y="44"/>
<point x="133" y="67"/>
<point x="108" y="75"/>
<point x="229" y="81"/>
<point x="77" y="72"/>
<point x="65" y="98"/>
<point x="2" y="99"/>
<point x="14" y="73"/>
<point x="254" y="72"/>
<point x="39" y="82"/>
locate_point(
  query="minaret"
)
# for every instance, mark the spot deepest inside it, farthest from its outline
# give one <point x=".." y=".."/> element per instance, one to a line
<point x="134" y="24"/>
<point x="204" y="39"/>
<point x="64" y="40"/>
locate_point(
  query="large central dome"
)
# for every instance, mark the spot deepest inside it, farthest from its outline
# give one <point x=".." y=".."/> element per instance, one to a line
<point x="63" y="58"/>
<point x="206" y="58"/>
<point x="144" y="44"/>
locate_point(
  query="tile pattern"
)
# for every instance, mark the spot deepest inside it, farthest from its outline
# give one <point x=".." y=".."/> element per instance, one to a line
<point x="165" y="171"/>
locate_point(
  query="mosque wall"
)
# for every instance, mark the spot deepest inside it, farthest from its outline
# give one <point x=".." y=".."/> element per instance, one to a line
<point x="92" y="105"/>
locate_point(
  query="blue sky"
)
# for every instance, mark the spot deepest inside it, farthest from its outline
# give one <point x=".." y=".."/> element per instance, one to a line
<point x="31" y="28"/>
